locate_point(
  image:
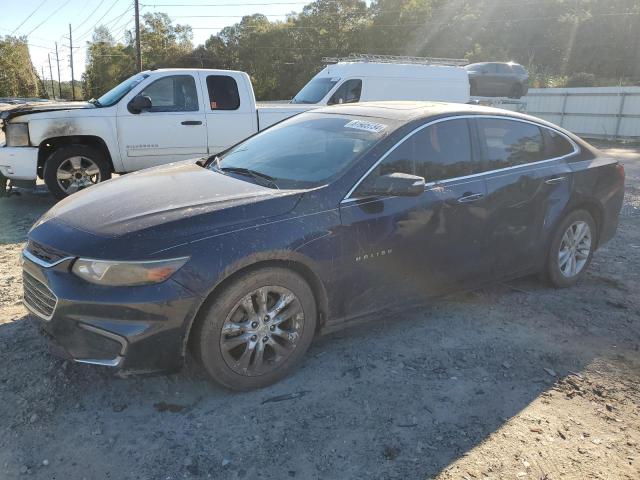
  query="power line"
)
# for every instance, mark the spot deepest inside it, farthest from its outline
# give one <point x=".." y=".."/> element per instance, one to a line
<point x="28" y="17"/>
<point x="90" y="15"/>
<point x="48" y="18"/>
<point x="99" y="20"/>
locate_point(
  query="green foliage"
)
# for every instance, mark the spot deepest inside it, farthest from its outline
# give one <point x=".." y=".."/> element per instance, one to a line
<point x="554" y="39"/>
<point x="581" y="79"/>
<point x="17" y="75"/>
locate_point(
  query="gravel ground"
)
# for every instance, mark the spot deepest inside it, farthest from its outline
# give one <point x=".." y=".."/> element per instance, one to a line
<point x="515" y="381"/>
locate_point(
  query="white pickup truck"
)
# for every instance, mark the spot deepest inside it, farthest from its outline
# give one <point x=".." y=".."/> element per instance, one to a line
<point x="161" y="116"/>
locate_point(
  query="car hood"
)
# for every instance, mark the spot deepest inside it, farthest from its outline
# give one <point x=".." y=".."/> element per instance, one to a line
<point x="155" y="209"/>
<point x="9" y="111"/>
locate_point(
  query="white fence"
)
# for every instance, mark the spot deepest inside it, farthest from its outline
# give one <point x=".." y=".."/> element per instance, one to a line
<point x="598" y="112"/>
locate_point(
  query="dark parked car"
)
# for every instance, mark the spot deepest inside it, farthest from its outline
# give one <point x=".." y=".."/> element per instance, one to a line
<point x="322" y="219"/>
<point x="498" y="79"/>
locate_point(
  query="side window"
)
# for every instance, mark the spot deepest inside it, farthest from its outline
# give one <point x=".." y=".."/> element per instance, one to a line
<point x="556" y="145"/>
<point x="176" y="93"/>
<point x="438" y="152"/>
<point x="223" y="92"/>
<point x="348" y="92"/>
<point x="508" y="143"/>
<point x="443" y="151"/>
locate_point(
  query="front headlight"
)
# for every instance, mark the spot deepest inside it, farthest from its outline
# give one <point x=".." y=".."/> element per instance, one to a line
<point x="119" y="274"/>
<point x="17" y="135"/>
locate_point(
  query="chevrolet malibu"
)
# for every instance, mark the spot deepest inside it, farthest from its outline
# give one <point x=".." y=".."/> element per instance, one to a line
<point x="323" y="219"/>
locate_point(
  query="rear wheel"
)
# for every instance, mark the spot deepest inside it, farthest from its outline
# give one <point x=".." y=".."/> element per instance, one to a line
<point x="516" y="91"/>
<point x="74" y="168"/>
<point x="257" y="330"/>
<point x="571" y="249"/>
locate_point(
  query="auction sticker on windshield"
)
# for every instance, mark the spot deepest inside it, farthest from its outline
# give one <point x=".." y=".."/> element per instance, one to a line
<point x="366" y="126"/>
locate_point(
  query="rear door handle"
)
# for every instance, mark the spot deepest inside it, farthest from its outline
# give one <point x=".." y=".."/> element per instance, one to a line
<point x="191" y="122"/>
<point x="470" y="197"/>
<point x="554" y="180"/>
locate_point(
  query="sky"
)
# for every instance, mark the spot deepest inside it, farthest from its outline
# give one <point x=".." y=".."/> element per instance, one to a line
<point x="47" y="21"/>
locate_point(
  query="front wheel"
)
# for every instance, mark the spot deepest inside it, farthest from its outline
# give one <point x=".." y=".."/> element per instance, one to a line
<point x="74" y="168"/>
<point x="257" y="329"/>
<point x="571" y="249"/>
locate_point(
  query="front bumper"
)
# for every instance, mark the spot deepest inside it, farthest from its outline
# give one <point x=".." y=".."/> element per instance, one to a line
<point x="19" y="163"/>
<point x="134" y="329"/>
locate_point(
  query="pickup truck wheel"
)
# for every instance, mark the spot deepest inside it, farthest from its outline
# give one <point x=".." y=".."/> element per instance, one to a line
<point x="4" y="186"/>
<point x="256" y="331"/>
<point x="74" y="168"/>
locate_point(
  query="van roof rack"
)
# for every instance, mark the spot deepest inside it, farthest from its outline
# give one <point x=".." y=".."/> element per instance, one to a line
<point x="373" y="58"/>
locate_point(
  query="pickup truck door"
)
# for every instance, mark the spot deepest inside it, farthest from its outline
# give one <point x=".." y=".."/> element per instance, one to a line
<point x="230" y="108"/>
<point x="174" y="128"/>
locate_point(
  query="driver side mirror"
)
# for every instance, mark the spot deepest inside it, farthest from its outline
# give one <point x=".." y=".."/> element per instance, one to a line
<point x="392" y="184"/>
<point x="139" y="103"/>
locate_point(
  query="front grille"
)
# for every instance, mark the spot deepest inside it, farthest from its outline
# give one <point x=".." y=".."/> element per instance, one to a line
<point x="47" y="254"/>
<point x="38" y="298"/>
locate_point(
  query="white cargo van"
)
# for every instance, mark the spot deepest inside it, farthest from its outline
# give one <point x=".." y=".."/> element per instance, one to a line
<point x="380" y="77"/>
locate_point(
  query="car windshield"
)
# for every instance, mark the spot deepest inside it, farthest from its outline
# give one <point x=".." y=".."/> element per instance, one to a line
<point x="305" y="151"/>
<point x="315" y="90"/>
<point x="114" y="95"/>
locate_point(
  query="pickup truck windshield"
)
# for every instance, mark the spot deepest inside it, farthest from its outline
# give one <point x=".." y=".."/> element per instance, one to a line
<point x="114" y="95"/>
<point x="305" y="151"/>
<point x="315" y="90"/>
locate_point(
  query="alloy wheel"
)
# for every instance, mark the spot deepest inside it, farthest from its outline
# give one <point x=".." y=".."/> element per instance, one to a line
<point x="76" y="173"/>
<point x="261" y="331"/>
<point x="575" y="248"/>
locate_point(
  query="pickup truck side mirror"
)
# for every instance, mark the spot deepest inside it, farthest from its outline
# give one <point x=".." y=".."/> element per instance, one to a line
<point x="395" y="184"/>
<point x="139" y="103"/>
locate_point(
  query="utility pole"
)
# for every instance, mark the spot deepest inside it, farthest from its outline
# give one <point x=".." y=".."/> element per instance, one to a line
<point x="138" y="54"/>
<point x="73" y="81"/>
<point x="53" y="91"/>
<point x="43" y="80"/>
<point x="58" y="62"/>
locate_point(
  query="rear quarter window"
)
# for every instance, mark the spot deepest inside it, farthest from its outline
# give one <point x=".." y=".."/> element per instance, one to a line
<point x="556" y="145"/>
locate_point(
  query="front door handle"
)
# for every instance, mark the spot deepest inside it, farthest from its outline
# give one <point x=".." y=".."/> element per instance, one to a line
<point x="191" y="122"/>
<point x="470" y="197"/>
<point x="554" y="180"/>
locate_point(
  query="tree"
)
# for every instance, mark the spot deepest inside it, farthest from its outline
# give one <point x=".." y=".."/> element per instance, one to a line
<point x="18" y="77"/>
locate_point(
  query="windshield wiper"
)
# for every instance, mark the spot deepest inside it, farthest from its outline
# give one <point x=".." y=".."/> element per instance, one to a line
<point x="249" y="173"/>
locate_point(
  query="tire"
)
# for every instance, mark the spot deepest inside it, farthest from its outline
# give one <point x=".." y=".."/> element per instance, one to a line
<point x="4" y="186"/>
<point x="473" y="89"/>
<point x="255" y="362"/>
<point x="562" y="276"/>
<point x="92" y="165"/>
<point x="516" y="91"/>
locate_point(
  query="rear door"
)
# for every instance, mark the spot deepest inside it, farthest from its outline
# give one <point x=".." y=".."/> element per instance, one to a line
<point x="173" y="129"/>
<point x="526" y="176"/>
<point x="398" y="248"/>
<point x="230" y="109"/>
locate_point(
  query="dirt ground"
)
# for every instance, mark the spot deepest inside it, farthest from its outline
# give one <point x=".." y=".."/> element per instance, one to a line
<point x="516" y="381"/>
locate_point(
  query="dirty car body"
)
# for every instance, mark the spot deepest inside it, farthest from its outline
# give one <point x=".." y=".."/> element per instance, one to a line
<point x="474" y="219"/>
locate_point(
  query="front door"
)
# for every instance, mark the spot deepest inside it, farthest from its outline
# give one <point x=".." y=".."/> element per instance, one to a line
<point x="174" y="128"/>
<point x="399" y="249"/>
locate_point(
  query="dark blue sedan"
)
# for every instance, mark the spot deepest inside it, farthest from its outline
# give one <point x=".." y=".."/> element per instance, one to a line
<point x="320" y="220"/>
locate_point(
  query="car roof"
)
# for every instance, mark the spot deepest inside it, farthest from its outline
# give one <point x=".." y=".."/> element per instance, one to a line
<point x="413" y="110"/>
